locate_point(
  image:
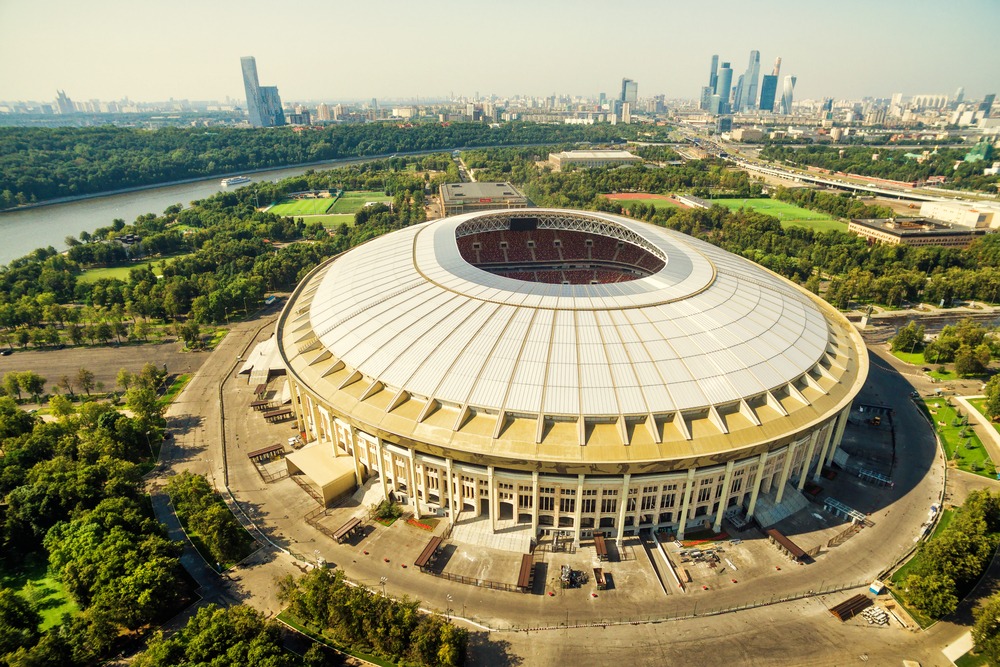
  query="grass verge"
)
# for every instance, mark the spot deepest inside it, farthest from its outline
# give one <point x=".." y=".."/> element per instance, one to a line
<point x="176" y="387"/>
<point x="313" y="632"/>
<point x="965" y="451"/>
<point x="31" y="579"/>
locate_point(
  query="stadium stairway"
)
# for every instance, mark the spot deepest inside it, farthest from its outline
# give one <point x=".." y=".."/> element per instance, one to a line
<point x="767" y="513"/>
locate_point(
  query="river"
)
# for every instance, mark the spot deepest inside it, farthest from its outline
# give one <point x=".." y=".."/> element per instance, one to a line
<point x="49" y="225"/>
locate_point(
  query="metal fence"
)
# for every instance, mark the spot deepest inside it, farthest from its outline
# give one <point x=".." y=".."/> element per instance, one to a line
<point x="472" y="581"/>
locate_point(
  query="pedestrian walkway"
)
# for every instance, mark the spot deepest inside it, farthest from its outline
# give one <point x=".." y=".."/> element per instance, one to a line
<point x="478" y="531"/>
<point x="959" y="647"/>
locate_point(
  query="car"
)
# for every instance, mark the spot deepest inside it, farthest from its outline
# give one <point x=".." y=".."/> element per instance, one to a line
<point x="6" y="353"/>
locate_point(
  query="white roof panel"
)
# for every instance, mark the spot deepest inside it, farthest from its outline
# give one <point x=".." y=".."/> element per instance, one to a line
<point x="709" y="327"/>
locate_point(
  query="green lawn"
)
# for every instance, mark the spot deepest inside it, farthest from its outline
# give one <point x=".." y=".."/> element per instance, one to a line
<point x="917" y="359"/>
<point x="967" y="452"/>
<point x="121" y="272"/>
<point x="352" y="202"/>
<point x="790" y="215"/>
<point x="32" y="580"/>
<point x="969" y="660"/>
<point x="176" y="387"/>
<point x="293" y="207"/>
<point x="334" y="219"/>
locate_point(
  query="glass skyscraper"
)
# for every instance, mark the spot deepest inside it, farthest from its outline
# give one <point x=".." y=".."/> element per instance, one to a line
<point x="263" y="104"/>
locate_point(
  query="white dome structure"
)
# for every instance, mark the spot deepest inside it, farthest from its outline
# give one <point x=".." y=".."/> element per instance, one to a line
<point x="575" y="371"/>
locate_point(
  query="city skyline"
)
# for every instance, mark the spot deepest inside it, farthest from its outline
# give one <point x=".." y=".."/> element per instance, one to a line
<point x="408" y="52"/>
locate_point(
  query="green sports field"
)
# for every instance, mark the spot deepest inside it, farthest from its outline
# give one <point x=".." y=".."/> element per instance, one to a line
<point x="790" y="215"/>
<point x="293" y="207"/>
<point x="352" y="202"/>
<point x="334" y="219"/>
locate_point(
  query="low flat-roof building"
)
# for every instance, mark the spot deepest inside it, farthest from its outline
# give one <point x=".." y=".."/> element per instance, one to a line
<point x="915" y="232"/>
<point x="590" y="159"/>
<point x="470" y="197"/>
<point x="959" y="213"/>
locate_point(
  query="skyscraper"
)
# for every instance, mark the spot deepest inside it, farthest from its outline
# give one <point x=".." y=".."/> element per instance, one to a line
<point x="738" y="94"/>
<point x="769" y="87"/>
<point x="63" y="103"/>
<point x="786" y="95"/>
<point x="263" y="104"/>
<point x="987" y="104"/>
<point x="709" y="90"/>
<point x="749" y="98"/>
<point x="723" y="88"/>
<point x="630" y="92"/>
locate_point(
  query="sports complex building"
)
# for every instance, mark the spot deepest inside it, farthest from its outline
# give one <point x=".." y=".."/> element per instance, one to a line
<point x="567" y="371"/>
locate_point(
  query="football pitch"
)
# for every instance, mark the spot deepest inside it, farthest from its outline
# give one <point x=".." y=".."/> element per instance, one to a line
<point x="293" y="207"/>
<point x="789" y="215"/>
<point x="352" y="202"/>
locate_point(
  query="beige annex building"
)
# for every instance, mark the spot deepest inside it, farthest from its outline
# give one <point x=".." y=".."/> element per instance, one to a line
<point x="568" y="371"/>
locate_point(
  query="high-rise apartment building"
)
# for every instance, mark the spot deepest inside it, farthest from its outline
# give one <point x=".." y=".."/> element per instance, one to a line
<point x="786" y="95"/>
<point x="263" y="103"/>
<point x="323" y="111"/>
<point x="630" y="92"/>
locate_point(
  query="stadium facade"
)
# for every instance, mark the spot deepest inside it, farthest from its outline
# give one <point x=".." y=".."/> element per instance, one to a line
<point x="568" y="371"/>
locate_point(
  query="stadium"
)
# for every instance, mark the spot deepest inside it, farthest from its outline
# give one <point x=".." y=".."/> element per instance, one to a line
<point x="566" y="372"/>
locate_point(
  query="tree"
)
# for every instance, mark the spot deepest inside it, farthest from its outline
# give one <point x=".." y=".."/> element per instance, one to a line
<point x="125" y="378"/>
<point x="66" y="382"/>
<point x="61" y="406"/>
<point x="33" y="383"/>
<point x="986" y="630"/>
<point x="144" y="403"/>
<point x="85" y="379"/>
<point x="933" y="594"/>
<point x="908" y="337"/>
<point x="19" y="622"/>
<point x="11" y="384"/>
<point x="190" y="332"/>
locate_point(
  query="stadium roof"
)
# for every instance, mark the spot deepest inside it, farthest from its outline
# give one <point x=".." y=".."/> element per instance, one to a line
<point x="407" y="313"/>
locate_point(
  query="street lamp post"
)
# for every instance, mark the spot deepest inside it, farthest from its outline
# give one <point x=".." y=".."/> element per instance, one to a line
<point x="148" y="444"/>
<point x="448" y="612"/>
<point x="382" y="581"/>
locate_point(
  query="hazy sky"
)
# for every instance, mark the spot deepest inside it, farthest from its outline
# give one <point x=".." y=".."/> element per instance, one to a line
<point x="153" y="50"/>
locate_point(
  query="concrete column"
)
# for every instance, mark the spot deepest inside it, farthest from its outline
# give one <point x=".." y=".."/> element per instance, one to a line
<point x="621" y="509"/>
<point x="785" y="469"/>
<point x="841" y="425"/>
<point x="382" y="472"/>
<point x="724" y="500"/>
<point x="296" y="404"/>
<point x="756" y="485"/>
<point x="686" y="505"/>
<point x="317" y="424"/>
<point x="475" y="496"/>
<point x="494" y="505"/>
<point x="412" y="483"/>
<point x="359" y="474"/>
<point x="534" y="505"/>
<point x="578" y="507"/>
<point x="825" y="449"/>
<point x="807" y="459"/>
<point x="450" y="489"/>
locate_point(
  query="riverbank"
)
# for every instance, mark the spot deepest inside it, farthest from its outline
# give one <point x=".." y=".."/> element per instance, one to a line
<point x="278" y="167"/>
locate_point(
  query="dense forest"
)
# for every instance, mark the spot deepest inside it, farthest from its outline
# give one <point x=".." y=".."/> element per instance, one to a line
<point x="37" y="164"/>
<point x="894" y="164"/>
